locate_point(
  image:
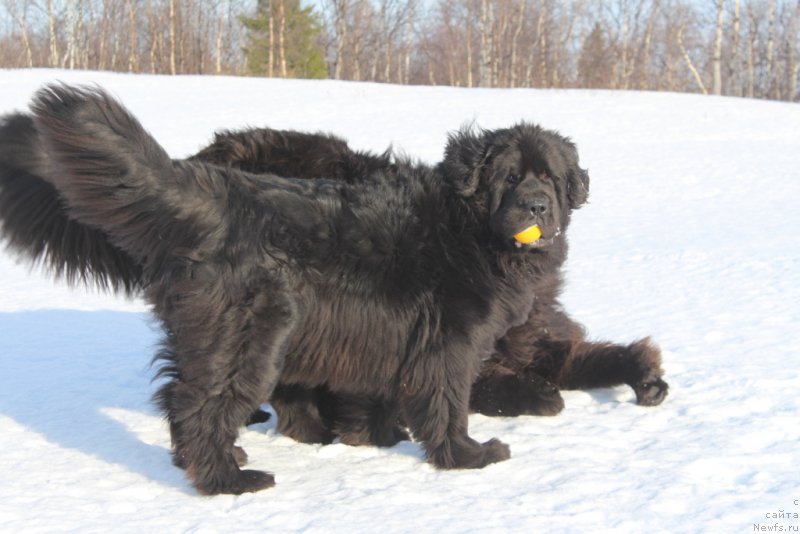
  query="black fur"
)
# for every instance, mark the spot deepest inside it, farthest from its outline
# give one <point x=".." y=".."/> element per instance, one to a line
<point x="294" y="154"/>
<point x="519" y="378"/>
<point x="393" y="289"/>
<point x="533" y="360"/>
<point x="34" y="222"/>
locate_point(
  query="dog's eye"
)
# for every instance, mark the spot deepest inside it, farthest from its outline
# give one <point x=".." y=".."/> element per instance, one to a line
<point x="513" y="179"/>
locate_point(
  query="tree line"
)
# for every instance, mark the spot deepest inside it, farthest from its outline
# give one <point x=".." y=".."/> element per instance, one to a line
<point x="748" y="48"/>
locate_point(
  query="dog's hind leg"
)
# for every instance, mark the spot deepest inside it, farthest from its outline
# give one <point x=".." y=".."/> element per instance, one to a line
<point x="298" y="414"/>
<point x="518" y="379"/>
<point x="550" y="352"/>
<point x="218" y="377"/>
<point x="501" y="392"/>
<point x="597" y="365"/>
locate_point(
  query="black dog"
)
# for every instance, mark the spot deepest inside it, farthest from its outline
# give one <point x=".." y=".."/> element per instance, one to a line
<point x="518" y="379"/>
<point x="394" y="289"/>
<point x="530" y="363"/>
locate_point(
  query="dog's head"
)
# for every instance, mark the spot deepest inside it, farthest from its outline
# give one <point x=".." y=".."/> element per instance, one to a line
<point x="523" y="176"/>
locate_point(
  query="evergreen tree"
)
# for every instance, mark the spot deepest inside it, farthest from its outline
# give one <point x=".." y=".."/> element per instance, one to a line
<point x="596" y="61"/>
<point x="283" y="35"/>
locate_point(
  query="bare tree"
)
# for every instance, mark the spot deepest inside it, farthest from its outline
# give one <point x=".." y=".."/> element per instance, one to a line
<point x="542" y="34"/>
<point x="133" y="36"/>
<point x="734" y="47"/>
<point x="753" y="20"/>
<point x="486" y="34"/>
<point x="735" y="63"/>
<point x="271" y="52"/>
<point x="717" y="58"/>
<point x="690" y="64"/>
<point x="646" y="49"/>
<point x="392" y="36"/>
<point x="282" y="36"/>
<point x="51" y="19"/>
<point x="20" y="14"/>
<point x="222" y="6"/>
<point x="770" y="47"/>
<point x="512" y="78"/>
<point x="69" y="58"/>
<point x="337" y="11"/>
<point x="792" y="52"/>
<point x="172" y="39"/>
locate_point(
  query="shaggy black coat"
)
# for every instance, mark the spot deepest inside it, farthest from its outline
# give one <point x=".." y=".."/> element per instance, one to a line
<point x="529" y="364"/>
<point x="395" y="289"/>
<point x="522" y="376"/>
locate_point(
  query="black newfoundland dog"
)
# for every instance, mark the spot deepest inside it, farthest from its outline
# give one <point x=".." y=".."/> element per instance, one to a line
<point x="374" y="294"/>
<point x="529" y="364"/>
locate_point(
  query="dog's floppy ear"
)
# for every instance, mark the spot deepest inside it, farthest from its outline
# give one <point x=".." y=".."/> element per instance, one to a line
<point x="577" y="178"/>
<point x="465" y="156"/>
<point x="578" y="187"/>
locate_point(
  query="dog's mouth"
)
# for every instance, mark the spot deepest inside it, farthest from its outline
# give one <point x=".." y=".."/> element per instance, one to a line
<point x="538" y="244"/>
<point x="531" y="234"/>
<point x="533" y="238"/>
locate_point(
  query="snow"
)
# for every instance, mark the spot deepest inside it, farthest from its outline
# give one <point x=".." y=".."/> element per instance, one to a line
<point x="691" y="236"/>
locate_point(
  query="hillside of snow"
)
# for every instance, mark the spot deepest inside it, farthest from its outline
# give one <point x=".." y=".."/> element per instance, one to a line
<point x="692" y="235"/>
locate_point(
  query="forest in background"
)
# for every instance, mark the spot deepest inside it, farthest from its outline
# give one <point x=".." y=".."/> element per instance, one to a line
<point x="747" y="48"/>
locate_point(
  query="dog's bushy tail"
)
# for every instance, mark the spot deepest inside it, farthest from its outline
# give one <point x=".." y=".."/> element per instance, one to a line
<point x="114" y="177"/>
<point x="34" y="222"/>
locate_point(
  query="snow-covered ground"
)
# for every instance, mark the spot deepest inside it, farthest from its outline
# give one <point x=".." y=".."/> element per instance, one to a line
<point x="692" y="235"/>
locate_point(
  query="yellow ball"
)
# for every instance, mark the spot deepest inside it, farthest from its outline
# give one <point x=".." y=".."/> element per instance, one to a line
<point x="529" y="235"/>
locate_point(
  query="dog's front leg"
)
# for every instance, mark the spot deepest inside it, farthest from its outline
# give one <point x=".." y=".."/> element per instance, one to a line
<point x="592" y="365"/>
<point x="435" y="403"/>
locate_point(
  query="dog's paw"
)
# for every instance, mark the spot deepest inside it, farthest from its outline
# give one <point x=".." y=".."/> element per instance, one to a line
<point x="650" y="388"/>
<point x="494" y="451"/>
<point x="541" y="397"/>
<point x="469" y="454"/>
<point x="651" y="392"/>
<point x="246" y="481"/>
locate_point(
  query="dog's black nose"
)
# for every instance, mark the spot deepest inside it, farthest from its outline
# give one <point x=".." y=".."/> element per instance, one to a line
<point x="539" y="206"/>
